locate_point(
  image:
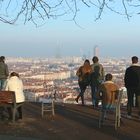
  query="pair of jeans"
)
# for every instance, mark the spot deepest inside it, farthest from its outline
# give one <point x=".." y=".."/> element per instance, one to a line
<point x="83" y="87"/>
<point x="130" y="95"/>
<point x="138" y="101"/>
<point x="2" y="83"/>
<point x="94" y="90"/>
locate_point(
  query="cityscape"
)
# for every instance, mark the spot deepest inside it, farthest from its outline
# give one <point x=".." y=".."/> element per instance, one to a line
<point x="44" y="76"/>
<point x="44" y="43"/>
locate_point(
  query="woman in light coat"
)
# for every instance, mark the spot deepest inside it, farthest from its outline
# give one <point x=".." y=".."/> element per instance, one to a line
<point x="14" y="83"/>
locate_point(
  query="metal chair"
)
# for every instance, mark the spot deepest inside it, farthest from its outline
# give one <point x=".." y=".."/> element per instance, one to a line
<point x="48" y="105"/>
<point x="116" y="112"/>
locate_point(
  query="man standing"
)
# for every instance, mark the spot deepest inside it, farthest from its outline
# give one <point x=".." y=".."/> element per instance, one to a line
<point x="97" y="77"/>
<point x="4" y="73"/>
<point x="132" y="83"/>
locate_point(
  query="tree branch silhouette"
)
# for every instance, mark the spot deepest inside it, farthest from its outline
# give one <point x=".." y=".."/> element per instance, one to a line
<point x="37" y="11"/>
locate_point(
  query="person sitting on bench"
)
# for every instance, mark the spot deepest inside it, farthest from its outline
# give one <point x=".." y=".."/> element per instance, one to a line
<point x="14" y="83"/>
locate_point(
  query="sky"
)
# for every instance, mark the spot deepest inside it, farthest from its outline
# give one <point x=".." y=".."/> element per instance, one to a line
<point x="114" y="35"/>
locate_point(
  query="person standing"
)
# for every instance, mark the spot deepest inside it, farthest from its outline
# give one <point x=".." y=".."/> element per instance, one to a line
<point x="97" y="77"/>
<point x="132" y="84"/>
<point x="83" y="74"/>
<point x="4" y="72"/>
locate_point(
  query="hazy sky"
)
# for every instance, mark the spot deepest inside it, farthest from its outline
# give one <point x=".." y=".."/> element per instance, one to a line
<point x="113" y="34"/>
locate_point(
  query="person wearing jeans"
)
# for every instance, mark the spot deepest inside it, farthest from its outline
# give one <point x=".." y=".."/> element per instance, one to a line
<point x="83" y="74"/>
<point x="97" y="77"/>
<point x="132" y="84"/>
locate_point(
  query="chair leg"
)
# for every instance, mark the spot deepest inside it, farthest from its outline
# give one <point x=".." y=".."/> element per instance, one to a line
<point x="116" y="122"/>
<point x="117" y="117"/>
<point x="42" y="110"/>
<point x="14" y="115"/>
<point x="100" y="114"/>
<point x="101" y="117"/>
<point x="53" y="113"/>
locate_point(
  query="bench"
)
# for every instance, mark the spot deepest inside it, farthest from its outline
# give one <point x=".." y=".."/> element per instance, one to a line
<point x="7" y="99"/>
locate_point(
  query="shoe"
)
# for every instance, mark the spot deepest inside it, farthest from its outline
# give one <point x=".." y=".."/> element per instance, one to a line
<point x="129" y="116"/>
<point x="76" y="99"/>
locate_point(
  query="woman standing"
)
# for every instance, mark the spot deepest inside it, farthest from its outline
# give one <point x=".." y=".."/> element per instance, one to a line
<point x="83" y="74"/>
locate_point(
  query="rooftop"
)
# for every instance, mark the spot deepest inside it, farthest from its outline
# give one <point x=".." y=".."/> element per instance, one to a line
<point x="71" y="122"/>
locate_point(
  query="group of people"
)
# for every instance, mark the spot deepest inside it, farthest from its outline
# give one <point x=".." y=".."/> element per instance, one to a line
<point x="93" y="75"/>
<point x="103" y="88"/>
<point x="90" y="74"/>
<point x="11" y="82"/>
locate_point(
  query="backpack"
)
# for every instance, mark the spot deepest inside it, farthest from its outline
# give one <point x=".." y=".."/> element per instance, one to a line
<point x="95" y="76"/>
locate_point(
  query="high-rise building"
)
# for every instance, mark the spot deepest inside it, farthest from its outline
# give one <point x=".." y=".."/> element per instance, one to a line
<point x="96" y="51"/>
<point x="58" y="52"/>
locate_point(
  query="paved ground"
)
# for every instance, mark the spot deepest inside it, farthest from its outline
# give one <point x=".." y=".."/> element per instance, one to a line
<point x="71" y="122"/>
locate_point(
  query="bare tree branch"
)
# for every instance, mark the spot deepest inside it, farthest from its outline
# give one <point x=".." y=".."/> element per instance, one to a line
<point x="85" y="3"/>
<point x="127" y="15"/>
<point x="101" y="8"/>
<point x="42" y="10"/>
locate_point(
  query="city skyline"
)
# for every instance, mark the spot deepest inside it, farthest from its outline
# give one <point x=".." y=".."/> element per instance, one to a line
<point x="114" y="35"/>
<point x="32" y="52"/>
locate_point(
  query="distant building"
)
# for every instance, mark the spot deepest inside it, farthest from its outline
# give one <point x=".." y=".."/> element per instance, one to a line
<point x="96" y="51"/>
<point x="64" y="74"/>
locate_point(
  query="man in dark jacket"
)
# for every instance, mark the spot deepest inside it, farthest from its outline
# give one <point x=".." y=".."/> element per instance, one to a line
<point x="132" y="83"/>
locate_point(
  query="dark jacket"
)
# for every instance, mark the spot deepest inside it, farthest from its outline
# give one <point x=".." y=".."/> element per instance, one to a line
<point x="4" y="73"/>
<point x="132" y="77"/>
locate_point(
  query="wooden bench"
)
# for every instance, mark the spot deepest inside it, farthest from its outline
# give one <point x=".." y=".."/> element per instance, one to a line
<point x="7" y="99"/>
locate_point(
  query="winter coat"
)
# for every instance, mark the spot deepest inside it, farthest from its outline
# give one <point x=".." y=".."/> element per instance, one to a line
<point x="109" y="92"/>
<point x="4" y="73"/>
<point x="83" y="74"/>
<point x="15" y="84"/>
<point x="132" y="77"/>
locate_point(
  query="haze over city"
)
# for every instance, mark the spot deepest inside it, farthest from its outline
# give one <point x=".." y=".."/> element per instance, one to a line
<point x="69" y="95"/>
<point x="114" y="34"/>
